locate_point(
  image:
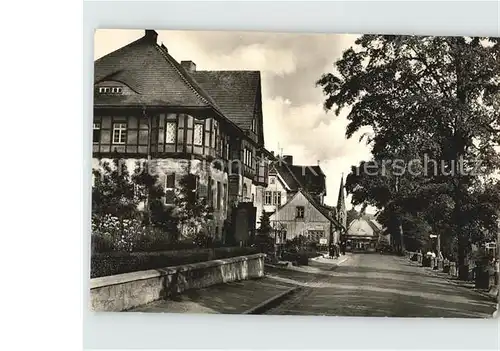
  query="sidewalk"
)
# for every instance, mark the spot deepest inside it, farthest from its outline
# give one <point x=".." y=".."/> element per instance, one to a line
<point x="491" y="294"/>
<point x="332" y="261"/>
<point x="244" y="297"/>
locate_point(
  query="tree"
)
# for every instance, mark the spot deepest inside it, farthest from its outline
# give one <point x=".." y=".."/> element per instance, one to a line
<point x="150" y="192"/>
<point x="352" y="214"/>
<point x="191" y="210"/>
<point x="438" y="92"/>
<point x="113" y="192"/>
<point x="265" y="224"/>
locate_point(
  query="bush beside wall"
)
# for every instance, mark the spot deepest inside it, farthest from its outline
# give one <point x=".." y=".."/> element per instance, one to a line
<point x="104" y="264"/>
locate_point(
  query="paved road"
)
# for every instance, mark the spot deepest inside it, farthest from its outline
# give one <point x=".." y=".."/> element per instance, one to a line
<point x="377" y="285"/>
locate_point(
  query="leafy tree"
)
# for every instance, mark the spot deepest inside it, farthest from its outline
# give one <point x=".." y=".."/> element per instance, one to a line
<point x="440" y="93"/>
<point x="192" y="211"/>
<point x="113" y="192"/>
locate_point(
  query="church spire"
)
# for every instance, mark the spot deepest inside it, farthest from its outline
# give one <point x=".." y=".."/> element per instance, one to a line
<point x="341" y="209"/>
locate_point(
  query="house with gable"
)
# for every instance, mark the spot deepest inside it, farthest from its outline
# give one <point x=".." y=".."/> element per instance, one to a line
<point x="366" y="233"/>
<point x="295" y="198"/>
<point x="284" y="181"/>
<point x="148" y="106"/>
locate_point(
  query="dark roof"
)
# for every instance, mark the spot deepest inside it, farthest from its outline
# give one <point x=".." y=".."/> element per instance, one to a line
<point x="332" y="209"/>
<point x="310" y="178"/>
<point x="322" y="209"/>
<point x="234" y="91"/>
<point x="159" y="80"/>
<point x="145" y="66"/>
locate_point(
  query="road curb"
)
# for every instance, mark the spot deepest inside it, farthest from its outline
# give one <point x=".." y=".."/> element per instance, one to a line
<point x="271" y="302"/>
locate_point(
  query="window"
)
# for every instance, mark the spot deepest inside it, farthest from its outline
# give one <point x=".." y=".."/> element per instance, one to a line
<point x="299" y="212"/>
<point x="170" y="189"/>
<point x="221" y="146"/>
<point x="110" y="90"/>
<point x="247" y="157"/>
<point x="96" y="136"/>
<point x="267" y="198"/>
<point x="277" y="198"/>
<point x="119" y="133"/>
<point x="219" y="193"/>
<point x="253" y="125"/>
<point x="170" y="133"/>
<point x="228" y="150"/>
<point x="245" y="191"/>
<point x="198" y="134"/>
<point x="272" y="180"/>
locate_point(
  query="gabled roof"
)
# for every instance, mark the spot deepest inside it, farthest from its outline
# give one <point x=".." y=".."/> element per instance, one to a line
<point x="310" y="178"/>
<point x="322" y="209"/>
<point x="234" y="91"/>
<point x="145" y="67"/>
<point x="370" y="220"/>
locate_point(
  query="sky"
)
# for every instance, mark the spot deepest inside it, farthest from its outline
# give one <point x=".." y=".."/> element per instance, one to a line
<point x="295" y="122"/>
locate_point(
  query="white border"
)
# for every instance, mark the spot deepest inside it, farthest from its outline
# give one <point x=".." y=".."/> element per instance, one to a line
<point x="125" y="331"/>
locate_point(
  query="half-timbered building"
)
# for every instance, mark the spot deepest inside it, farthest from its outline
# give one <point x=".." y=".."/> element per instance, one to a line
<point x="148" y="106"/>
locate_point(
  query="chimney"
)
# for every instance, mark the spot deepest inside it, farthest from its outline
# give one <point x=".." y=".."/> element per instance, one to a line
<point x="288" y="159"/>
<point x="151" y="35"/>
<point x="189" y="66"/>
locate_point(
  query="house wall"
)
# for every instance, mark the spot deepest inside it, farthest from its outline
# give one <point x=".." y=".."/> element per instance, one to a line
<point x="181" y="167"/>
<point x="162" y="142"/>
<point x="313" y="221"/>
<point x="274" y="185"/>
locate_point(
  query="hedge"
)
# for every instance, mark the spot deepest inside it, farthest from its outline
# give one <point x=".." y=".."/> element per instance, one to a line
<point x="110" y="263"/>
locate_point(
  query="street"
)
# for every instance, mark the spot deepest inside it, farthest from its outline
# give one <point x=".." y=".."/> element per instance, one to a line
<point x="376" y="285"/>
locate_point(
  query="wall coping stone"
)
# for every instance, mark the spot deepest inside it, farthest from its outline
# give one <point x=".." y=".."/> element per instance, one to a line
<point x="152" y="273"/>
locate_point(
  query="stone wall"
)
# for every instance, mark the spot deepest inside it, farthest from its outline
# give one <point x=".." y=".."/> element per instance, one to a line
<point x="125" y="291"/>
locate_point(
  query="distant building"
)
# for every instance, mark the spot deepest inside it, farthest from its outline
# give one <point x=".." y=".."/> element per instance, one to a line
<point x="295" y="198"/>
<point x="365" y="233"/>
<point x="285" y="179"/>
<point x="303" y="215"/>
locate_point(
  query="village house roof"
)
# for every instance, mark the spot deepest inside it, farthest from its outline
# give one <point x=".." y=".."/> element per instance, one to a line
<point x="324" y="210"/>
<point x="157" y="79"/>
<point x="362" y="226"/>
<point x="238" y="93"/>
<point x="152" y="73"/>
<point x="310" y="178"/>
